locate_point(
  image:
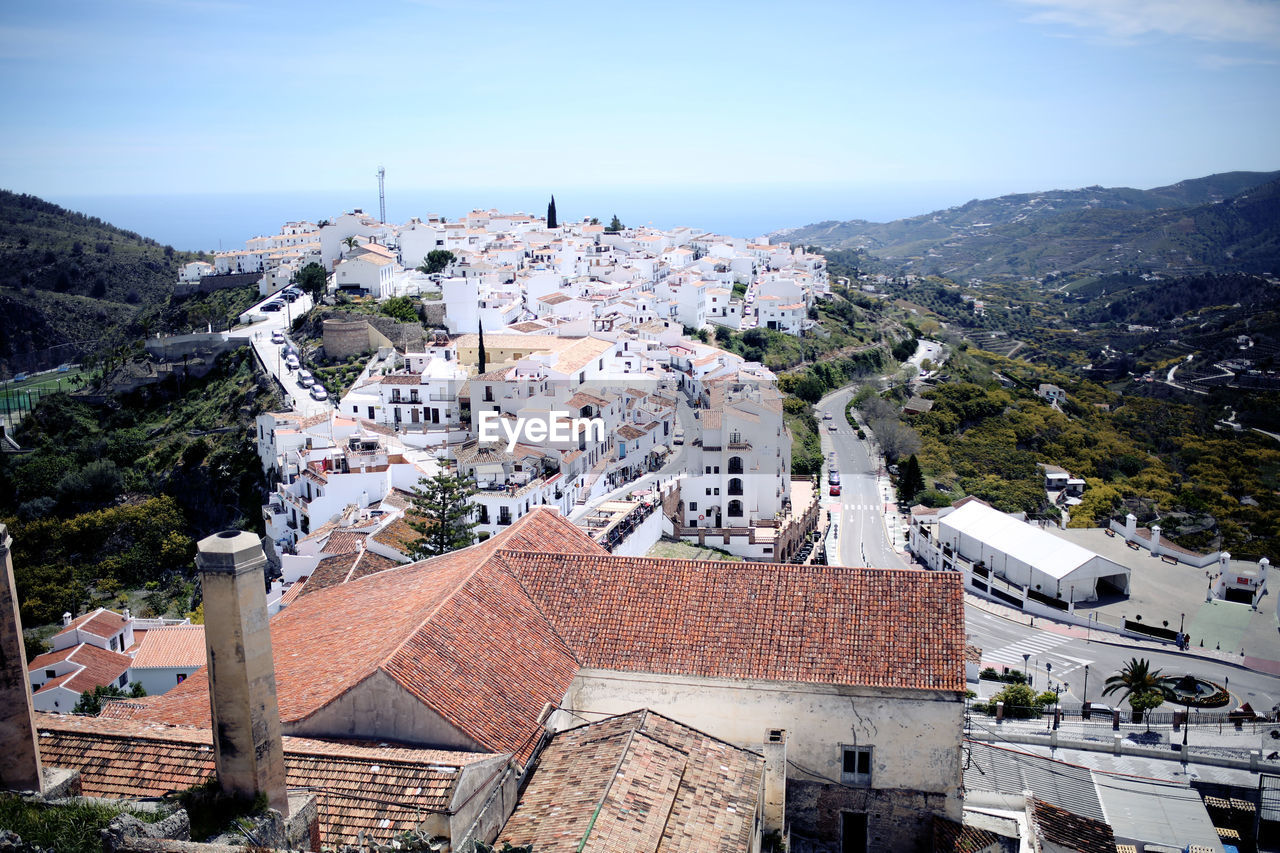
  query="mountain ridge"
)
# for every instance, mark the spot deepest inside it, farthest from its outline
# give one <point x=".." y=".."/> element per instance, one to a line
<point x="1091" y="229"/>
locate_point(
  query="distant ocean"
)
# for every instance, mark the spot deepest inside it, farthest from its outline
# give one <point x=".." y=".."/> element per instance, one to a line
<point x="225" y="221"/>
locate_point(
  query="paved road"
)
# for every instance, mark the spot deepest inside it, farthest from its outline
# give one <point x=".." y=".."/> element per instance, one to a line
<point x="860" y="509"/>
<point x="1004" y="642"/>
<point x="259" y="335"/>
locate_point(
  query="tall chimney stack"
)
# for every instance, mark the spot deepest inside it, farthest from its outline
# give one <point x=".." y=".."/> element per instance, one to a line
<point x="248" y="750"/>
<point x="775" y="780"/>
<point x="19" y="755"/>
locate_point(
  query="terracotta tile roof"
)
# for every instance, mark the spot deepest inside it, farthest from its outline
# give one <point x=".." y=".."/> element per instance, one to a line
<point x="178" y="645"/>
<point x="1065" y="829"/>
<point x="639" y="782"/>
<point x="330" y="571"/>
<point x="358" y="786"/>
<point x="629" y="432"/>
<point x="292" y="593"/>
<point x="432" y="627"/>
<point x="50" y="658"/>
<point x="344" y="541"/>
<point x="816" y="624"/>
<point x="100" y="623"/>
<point x="98" y="667"/>
<point x="398" y="535"/>
<point x="952" y="837"/>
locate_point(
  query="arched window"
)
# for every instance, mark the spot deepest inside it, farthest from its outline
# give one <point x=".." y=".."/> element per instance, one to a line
<point x="735" y="509"/>
<point x="735" y="465"/>
<point x="735" y="486"/>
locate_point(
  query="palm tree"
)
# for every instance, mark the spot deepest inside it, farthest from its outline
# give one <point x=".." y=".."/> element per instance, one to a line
<point x="1137" y="678"/>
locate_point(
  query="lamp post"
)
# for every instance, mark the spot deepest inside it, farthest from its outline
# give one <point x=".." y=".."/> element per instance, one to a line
<point x="1085" y="698"/>
<point x="1048" y="679"/>
<point x="1026" y="667"/>
<point x="1185" y="688"/>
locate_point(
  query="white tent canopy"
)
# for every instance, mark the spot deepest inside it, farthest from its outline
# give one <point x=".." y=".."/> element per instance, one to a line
<point x="1026" y="555"/>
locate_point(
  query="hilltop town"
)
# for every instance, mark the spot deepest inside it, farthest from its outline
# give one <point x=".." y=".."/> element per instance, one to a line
<point x="650" y="631"/>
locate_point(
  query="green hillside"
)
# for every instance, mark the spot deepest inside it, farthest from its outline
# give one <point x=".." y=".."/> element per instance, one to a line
<point x="66" y="279"/>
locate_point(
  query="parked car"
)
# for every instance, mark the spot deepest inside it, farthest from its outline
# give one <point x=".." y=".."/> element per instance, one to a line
<point x="273" y="306"/>
<point x="833" y="477"/>
<point x="318" y="393"/>
<point x="290" y="297"/>
<point x="291" y="362"/>
<point x="277" y="337"/>
<point x="305" y="379"/>
<point x="826" y="416"/>
<point x="835" y="490"/>
<point x="831" y="427"/>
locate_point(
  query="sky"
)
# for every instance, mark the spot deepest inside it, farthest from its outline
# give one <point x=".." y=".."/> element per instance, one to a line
<point x="940" y="101"/>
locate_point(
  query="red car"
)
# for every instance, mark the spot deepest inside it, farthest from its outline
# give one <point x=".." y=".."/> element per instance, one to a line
<point x="835" y="490"/>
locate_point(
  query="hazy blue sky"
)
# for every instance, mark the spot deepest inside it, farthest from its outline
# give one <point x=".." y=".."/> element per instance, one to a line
<point x="194" y="96"/>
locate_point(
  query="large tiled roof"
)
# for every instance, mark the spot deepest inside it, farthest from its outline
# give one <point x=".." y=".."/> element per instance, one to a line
<point x="639" y="782"/>
<point x="814" y="624"/>
<point x="486" y="636"/>
<point x="380" y="790"/>
<point x="177" y="645"/>
<point x="456" y="631"/>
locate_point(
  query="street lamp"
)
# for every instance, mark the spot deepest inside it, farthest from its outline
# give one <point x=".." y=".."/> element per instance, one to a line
<point x="1026" y="667"/>
<point x="1085" y="697"/>
<point x="1185" y="689"/>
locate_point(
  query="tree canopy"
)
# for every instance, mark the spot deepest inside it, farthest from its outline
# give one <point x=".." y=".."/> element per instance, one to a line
<point x="437" y="260"/>
<point x="442" y="515"/>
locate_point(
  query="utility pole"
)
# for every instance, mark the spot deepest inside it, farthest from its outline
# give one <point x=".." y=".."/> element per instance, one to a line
<point x="382" y="198"/>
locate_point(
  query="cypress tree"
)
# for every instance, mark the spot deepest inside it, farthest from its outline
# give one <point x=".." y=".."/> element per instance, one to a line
<point x="481" y="365"/>
<point x="551" y="214"/>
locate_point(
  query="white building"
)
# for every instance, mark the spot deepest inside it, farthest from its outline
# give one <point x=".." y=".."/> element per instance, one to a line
<point x="998" y="552"/>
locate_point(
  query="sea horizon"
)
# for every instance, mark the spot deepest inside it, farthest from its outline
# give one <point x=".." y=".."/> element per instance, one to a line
<point x="224" y="221"/>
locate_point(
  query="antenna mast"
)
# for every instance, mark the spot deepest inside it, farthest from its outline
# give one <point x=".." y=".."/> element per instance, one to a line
<point x="382" y="197"/>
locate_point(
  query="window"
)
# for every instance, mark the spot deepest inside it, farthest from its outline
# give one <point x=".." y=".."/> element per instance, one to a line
<point x="735" y="486"/>
<point x="49" y="673"/>
<point x="114" y="642"/>
<point x="182" y="676"/>
<point x="708" y="469"/>
<point x="735" y="509"/>
<point x="735" y="464"/>
<point x="855" y="765"/>
<point x="124" y="679"/>
<point x="693" y="507"/>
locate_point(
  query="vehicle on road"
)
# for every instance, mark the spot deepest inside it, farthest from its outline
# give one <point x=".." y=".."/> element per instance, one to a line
<point x="305" y="379"/>
<point x="290" y="297"/>
<point x="833" y="477"/>
<point x="291" y="362"/>
<point x="826" y="416"/>
<point x="831" y="427"/>
<point x="318" y="393"/>
<point x="273" y="306"/>
<point x="835" y="490"/>
<point x="277" y="337"/>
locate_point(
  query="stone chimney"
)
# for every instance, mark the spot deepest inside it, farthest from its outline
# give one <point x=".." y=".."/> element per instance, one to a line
<point x="248" y="750"/>
<point x="1130" y="527"/>
<point x="1155" y="540"/>
<point x="775" y="780"/>
<point x="19" y="755"/>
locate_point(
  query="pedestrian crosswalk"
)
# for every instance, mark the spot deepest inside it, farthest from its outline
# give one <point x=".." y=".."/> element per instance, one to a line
<point x="1041" y="649"/>
<point x="1011" y="655"/>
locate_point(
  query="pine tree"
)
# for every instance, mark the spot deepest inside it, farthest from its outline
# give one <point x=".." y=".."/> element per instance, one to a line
<point x="615" y="225"/>
<point x="442" y="514"/>
<point x="551" y="214"/>
<point x="480" y="367"/>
